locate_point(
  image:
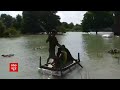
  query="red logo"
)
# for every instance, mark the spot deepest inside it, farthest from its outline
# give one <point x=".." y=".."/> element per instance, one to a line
<point x="13" y="67"/>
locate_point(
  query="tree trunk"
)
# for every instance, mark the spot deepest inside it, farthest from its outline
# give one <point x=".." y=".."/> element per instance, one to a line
<point x="96" y="31"/>
<point x="116" y="28"/>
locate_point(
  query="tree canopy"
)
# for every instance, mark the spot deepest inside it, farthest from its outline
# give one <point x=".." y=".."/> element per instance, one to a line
<point x="40" y="21"/>
<point x="9" y="26"/>
<point x="33" y="22"/>
<point x="7" y="20"/>
<point x="116" y="26"/>
<point x="95" y="20"/>
<point x="2" y="28"/>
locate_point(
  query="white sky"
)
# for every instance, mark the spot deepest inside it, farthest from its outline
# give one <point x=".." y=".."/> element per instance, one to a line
<point x="66" y="16"/>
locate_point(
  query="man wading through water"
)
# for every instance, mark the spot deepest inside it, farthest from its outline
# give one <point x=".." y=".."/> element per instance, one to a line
<point x="52" y="44"/>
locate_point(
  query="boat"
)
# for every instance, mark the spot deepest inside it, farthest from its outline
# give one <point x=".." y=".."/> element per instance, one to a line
<point x="59" y="71"/>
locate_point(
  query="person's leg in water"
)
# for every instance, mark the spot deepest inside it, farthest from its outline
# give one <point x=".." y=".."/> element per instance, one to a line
<point x="51" y="54"/>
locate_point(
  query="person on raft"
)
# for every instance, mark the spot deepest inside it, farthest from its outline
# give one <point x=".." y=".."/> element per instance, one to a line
<point x="53" y="42"/>
<point x="69" y="56"/>
<point x="63" y="56"/>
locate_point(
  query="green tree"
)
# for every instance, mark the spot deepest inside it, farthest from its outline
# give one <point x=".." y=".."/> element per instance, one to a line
<point x="2" y="29"/>
<point x="61" y="28"/>
<point x="65" y="25"/>
<point x="11" y="32"/>
<point x="116" y="26"/>
<point x="77" y="27"/>
<point x="71" y="25"/>
<point x="40" y="21"/>
<point x="18" y="22"/>
<point x="96" y="20"/>
<point x="7" y="20"/>
<point x="87" y="22"/>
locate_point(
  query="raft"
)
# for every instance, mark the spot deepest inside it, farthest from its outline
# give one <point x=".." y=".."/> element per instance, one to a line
<point x="61" y="69"/>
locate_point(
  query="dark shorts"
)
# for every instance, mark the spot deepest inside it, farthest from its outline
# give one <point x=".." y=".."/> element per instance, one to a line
<point x="51" y="53"/>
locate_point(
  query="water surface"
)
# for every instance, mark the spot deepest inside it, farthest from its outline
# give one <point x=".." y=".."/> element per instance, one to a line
<point x="93" y="49"/>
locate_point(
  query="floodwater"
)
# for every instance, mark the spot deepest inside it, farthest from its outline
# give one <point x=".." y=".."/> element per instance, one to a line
<point x="96" y="62"/>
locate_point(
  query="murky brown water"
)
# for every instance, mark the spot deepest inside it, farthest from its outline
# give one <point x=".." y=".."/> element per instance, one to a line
<point x="93" y="49"/>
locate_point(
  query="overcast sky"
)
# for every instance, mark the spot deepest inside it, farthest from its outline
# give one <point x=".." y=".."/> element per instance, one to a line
<point x="66" y="16"/>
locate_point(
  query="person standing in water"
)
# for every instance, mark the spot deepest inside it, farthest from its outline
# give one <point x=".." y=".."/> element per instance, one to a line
<point x="53" y="42"/>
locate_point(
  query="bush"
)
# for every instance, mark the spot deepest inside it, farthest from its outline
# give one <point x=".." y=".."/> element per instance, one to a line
<point x="2" y="29"/>
<point x="11" y="32"/>
<point x="77" y="28"/>
<point x="61" y="29"/>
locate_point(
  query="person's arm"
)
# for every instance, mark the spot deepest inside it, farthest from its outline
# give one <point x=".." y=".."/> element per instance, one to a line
<point x="47" y="39"/>
<point x="57" y="43"/>
<point x="60" y="55"/>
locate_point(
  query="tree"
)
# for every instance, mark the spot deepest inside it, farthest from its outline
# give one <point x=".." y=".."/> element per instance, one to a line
<point x="40" y="21"/>
<point x="61" y="28"/>
<point x="2" y="28"/>
<point x="71" y="25"/>
<point x="65" y="24"/>
<point x="11" y="32"/>
<point x="87" y="22"/>
<point x="96" y="20"/>
<point x="77" y="27"/>
<point x="9" y="26"/>
<point x="116" y="26"/>
<point x="7" y="20"/>
<point x="18" y="22"/>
